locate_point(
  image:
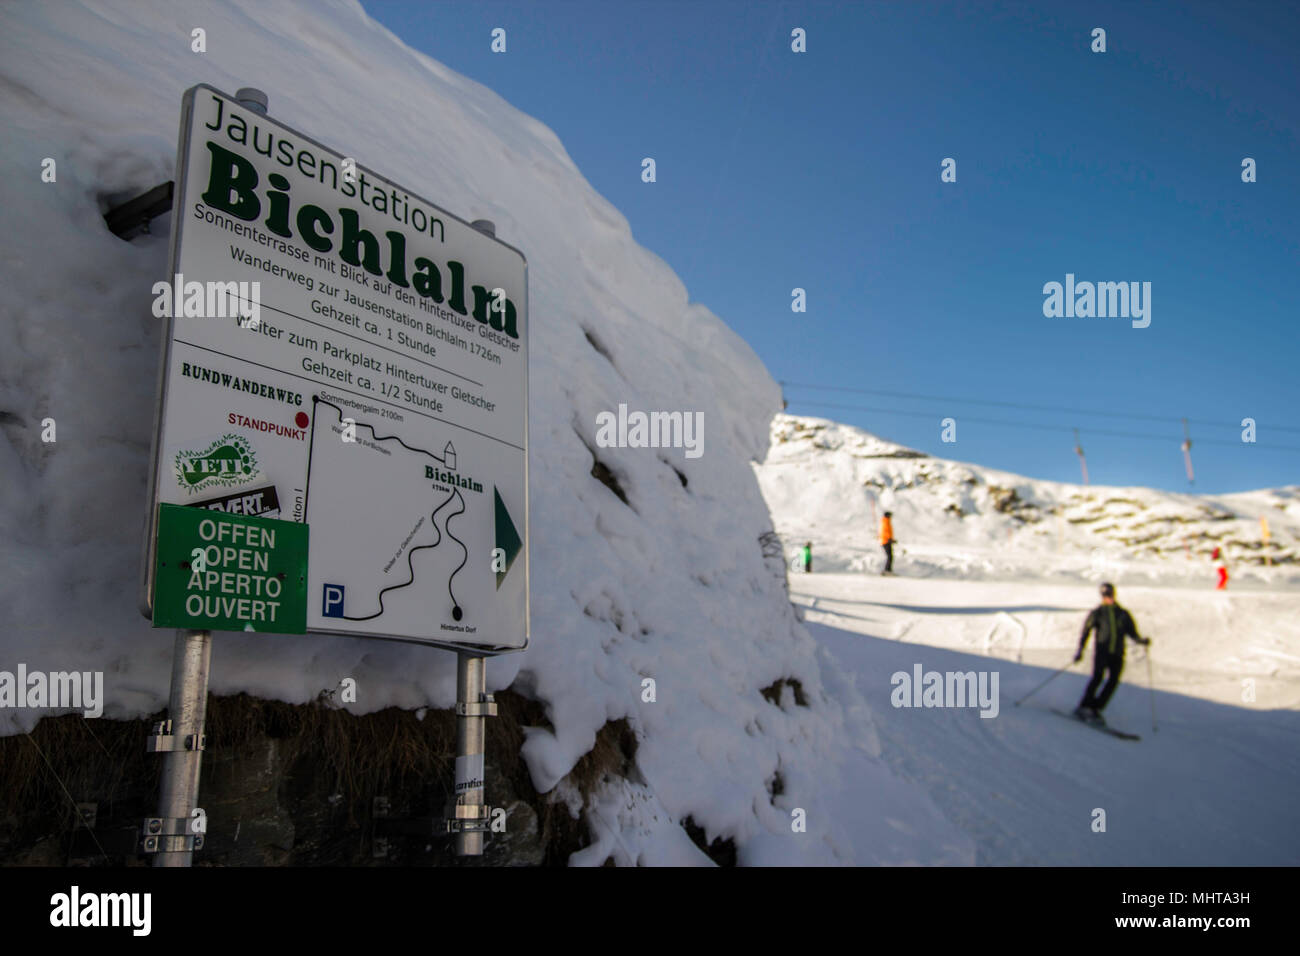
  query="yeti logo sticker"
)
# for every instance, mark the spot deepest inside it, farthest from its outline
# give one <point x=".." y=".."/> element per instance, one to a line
<point x="227" y="461"/>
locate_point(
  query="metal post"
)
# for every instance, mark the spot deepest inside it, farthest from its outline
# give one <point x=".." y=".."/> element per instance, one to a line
<point x="470" y="736"/>
<point x="181" y="738"/>
<point x="186" y="710"/>
<point x="469" y="813"/>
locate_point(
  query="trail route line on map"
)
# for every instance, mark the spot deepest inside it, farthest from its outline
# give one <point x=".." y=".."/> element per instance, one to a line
<point x="378" y="540"/>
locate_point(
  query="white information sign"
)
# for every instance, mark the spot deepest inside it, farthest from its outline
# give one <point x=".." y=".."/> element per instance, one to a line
<point x="344" y="353"/>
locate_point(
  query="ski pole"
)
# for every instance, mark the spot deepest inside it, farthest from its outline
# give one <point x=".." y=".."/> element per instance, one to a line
<point x="1043" y="684"/>
<point x="1151" y="684"/>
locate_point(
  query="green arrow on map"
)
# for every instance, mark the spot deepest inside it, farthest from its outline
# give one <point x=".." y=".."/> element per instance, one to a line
<point x="508" y="539"/>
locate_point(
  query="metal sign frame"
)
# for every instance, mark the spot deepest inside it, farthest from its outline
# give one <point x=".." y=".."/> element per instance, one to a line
<point x="149" y="547"/>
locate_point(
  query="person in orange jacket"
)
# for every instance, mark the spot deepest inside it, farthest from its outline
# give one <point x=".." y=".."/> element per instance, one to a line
<point x="887" y="541"/>
<point x="1221" y="564"/>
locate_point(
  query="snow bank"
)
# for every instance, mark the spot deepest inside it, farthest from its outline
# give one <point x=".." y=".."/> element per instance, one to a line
<point x="671" y="585"/>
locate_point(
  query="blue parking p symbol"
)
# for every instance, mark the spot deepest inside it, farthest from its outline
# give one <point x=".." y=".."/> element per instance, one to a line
<point x="332" y="600"/>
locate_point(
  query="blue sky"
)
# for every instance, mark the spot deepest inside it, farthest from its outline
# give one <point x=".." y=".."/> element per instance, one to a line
<point x="821" y="171"/>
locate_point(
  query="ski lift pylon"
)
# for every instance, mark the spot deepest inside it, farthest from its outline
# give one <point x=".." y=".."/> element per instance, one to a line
<point x="1078" y="450"/>
<point x="1187" y="453"/>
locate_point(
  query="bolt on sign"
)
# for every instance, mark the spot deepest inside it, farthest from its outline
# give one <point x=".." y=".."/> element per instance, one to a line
<point x="343" y="400"/>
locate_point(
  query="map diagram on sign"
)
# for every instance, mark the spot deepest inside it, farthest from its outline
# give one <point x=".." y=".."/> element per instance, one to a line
<point x="406" y="534"/>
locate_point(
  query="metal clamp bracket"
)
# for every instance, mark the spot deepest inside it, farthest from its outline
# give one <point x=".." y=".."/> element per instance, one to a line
<point x="469" y="818"/>
<point x="162" y="740"/>
<point x="485" y="706"/>
<point x="173" y="844"/>
<point x="170" y="835"/>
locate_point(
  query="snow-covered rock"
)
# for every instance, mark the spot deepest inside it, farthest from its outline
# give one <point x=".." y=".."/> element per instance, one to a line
<point x="671" y="584"/>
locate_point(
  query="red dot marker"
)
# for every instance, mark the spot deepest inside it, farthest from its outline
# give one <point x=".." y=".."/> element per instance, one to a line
<point x="301" y="419"/>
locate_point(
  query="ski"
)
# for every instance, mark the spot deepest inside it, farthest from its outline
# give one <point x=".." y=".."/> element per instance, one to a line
<point x="1122" y="735"/>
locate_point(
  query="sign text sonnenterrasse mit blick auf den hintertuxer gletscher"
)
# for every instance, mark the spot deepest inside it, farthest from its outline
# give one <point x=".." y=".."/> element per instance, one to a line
<point x="378" y="394"/>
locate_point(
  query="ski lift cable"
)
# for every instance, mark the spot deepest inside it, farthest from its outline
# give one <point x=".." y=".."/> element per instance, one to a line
<point x="1041" y="427"/>
<point x="1038" y="408"/>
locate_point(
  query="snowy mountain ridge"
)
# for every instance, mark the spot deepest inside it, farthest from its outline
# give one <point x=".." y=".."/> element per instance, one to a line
<point x="829" y="482"/>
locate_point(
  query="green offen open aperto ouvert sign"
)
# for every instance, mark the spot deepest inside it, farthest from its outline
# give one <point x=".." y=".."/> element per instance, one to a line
<point x="229" y="572"/>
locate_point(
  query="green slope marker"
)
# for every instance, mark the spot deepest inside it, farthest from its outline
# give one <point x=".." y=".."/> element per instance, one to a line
<point x="507" y="536"/>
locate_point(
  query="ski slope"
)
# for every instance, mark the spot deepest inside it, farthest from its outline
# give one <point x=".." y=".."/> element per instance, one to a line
<point x="996" y="573"/>
<point x="1206" y="643"/>
<point x="1215" y="786"/>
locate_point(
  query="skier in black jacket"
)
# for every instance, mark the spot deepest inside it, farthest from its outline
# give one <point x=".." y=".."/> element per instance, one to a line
<point x="1113" y="624"/>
